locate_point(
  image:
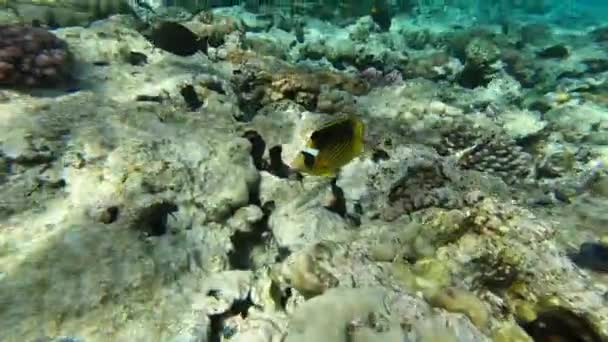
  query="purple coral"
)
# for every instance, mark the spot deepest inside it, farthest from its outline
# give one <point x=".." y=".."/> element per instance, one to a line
<point x="376" y="78"/>
<point x="372" y="75"/>
<point x="32" y="57"/>
<point x="393" y="77"/>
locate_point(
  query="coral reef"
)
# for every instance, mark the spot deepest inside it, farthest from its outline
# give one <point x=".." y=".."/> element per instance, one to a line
<point x="158" y="195"/>
<point x="264" y="81"/>
<point x="64" y="12"/>
<point x="480" y="54"/>
<point x="500" y="157"/>
<point x="31" y="56"/>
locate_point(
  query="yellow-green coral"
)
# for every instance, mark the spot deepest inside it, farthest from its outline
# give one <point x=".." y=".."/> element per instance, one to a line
<point x="445" y="226"/>
<point x="499" y="270"/>
<point x="308" y="271"/>
<point x="460" y="300"/>
<point x="604" y="239"/>
<point x="481" y="51"/>
<point x="525" y="311"/>
<point x="427" y="276"/>
<point x="510" y="332"/>
<point x="430" y="330"/>
<point x="411" y="242"/>
<point x="384" y="251"/>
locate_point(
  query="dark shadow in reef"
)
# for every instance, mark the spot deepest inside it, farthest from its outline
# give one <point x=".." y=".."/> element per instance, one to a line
<point x="245" y="242"/>
<point x="53" y="280"/>
<point x="561" y="324"/>
<point x="217" y="331"/>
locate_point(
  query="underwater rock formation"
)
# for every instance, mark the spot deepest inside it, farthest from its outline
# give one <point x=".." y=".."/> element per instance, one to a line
<point x="160" y="197"/>
<point x="480" y="54"/>
<point x="62" y="13"/>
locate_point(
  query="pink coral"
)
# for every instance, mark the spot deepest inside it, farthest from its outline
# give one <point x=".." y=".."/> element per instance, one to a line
<point x="376" y="78"/>
<point x="32" y="56"/>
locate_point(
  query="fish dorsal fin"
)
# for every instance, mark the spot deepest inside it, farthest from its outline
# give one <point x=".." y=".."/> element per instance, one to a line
<point x="330" y="130"/>
<point x="332" y="121"/>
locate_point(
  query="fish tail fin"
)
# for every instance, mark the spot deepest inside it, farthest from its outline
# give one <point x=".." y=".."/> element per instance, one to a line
<point x="358" y="138"/>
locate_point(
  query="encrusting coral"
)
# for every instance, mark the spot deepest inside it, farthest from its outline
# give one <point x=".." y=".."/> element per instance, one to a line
<point x="498" y="156"/>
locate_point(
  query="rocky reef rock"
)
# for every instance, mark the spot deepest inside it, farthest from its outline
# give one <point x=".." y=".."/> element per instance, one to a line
<point x="121" y="210"/>
<point x="155" y="202"/>
<point x="62" y="13"/>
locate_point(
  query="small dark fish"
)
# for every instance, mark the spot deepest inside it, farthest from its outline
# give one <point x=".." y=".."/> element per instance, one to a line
<point x="73" y="89"/>
<point x="596" y="65"/>
<point x="149" y="98"/>
<point x="177" y="39"/>
<point x="381" y="15"/>
<point x="555" y="51"/>
<point x="592" y="255"/>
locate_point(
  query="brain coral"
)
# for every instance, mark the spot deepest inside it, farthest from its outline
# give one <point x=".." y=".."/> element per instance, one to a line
<point x="32" y="57"/>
